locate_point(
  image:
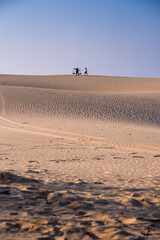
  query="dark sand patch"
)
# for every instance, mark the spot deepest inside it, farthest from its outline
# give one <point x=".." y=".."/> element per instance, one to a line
<point x="76" y="210"/>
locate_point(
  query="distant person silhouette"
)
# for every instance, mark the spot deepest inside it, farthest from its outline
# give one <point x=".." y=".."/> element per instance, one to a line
<point x="85" y="71"/>
<point x="77" y="71"/>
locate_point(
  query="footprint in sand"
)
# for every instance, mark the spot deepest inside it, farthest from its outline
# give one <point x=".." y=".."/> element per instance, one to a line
<point x="33" y="162"/>
<point x="99" y="157"/>
<point x="117" y="158"/>
<point x="137" y="157"/>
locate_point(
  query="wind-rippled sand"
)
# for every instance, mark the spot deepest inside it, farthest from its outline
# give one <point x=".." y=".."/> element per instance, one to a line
<point x="80" y="157"/>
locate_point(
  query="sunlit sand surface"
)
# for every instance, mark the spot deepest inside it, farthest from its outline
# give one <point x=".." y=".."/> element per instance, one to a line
<point x="80" y="157"/>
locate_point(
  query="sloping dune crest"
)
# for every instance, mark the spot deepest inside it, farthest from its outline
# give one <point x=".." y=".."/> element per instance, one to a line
<point x="84" y="83"/>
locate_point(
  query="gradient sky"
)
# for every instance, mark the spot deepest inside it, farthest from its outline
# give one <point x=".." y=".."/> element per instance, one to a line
<point x="110" y="37"/>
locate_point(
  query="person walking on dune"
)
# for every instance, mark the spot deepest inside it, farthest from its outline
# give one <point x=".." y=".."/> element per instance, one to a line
<point x="76" y="71"/>
<point x="86" y="71"/>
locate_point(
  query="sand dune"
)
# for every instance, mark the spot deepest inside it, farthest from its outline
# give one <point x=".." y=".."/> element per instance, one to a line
<point x="80" y="157"/>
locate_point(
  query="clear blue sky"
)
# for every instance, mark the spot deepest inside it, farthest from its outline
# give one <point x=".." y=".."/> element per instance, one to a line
<point x="110" y="37"/>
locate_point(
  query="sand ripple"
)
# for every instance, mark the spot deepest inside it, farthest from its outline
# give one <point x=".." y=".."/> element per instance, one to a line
<point x="37" y="103"/>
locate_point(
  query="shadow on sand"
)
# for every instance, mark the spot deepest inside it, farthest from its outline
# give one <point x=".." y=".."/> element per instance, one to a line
<point x="33" y="209"/>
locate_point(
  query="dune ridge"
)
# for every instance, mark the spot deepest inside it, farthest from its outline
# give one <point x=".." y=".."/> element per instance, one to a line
<point x="105" y="84"/>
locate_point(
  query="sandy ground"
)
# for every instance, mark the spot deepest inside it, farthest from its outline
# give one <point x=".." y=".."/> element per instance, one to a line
<point x="80" y="157"/>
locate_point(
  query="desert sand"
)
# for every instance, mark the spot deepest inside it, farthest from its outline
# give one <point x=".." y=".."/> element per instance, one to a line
<point x="80" y="157"/>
